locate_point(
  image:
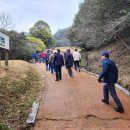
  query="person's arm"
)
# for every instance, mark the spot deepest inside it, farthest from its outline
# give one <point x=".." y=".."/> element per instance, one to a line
<point x="105" y="68"/>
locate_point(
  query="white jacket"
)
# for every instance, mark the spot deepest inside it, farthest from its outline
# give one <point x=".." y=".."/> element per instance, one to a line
<point x="76" y="56"/>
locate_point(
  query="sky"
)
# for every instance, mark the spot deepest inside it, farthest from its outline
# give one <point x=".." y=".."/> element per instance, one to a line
<point x="58" y="14"/>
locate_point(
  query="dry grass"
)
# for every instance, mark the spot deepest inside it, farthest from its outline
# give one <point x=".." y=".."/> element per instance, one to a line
<point x="19" y="86"/>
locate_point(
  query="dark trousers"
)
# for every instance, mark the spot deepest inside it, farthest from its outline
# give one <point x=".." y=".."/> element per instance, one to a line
<point x="52" y="68"/>
<point x="47" y="65"/>
<point x="69" y="71"/>
<point x="76" y="65"/>
<point x="109" y="87"/>
<point x="58" y="71"/>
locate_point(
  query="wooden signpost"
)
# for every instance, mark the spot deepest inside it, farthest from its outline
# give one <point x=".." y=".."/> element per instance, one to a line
<point x="4" y="45"/>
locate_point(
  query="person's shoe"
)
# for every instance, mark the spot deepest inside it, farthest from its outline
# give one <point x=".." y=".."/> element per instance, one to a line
<point x="104" y="101"/>
<point x="56" y="80"/>
<point x="119" y="109"/>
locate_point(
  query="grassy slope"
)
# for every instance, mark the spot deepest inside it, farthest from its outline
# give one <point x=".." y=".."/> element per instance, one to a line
<point x="119" y="54"/>
<point x="19" y="86"/>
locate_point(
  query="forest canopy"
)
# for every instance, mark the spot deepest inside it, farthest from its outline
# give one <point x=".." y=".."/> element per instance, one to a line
<point x="98" y="22"/>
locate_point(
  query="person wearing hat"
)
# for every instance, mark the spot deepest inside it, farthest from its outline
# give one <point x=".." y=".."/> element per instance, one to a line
<point x="109" y="76"/>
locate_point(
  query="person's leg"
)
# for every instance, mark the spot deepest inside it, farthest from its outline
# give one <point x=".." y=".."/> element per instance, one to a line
<point x="75" y="66"/>
<point x="34" y="61"/>
<point x="56" y="67"/>
<point x="78" y="66"/>
<point x="43" y="60"/>
<point x="106" y="92"/>
<point x="39" y="60"/>
<point x="68" y="69"/>
<point x="114" y="95"/>
<point x="60" y="77"/>
<point x="53" y="70"/>
<point x="46" y="65"/>
<point x="71" y="73"/>
<point x="51" y="66"/>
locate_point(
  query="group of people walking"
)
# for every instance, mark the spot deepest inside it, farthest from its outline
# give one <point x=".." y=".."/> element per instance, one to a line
<point x="109" y="74"/>
<point x="56" y="60"/>
<point x="38" y="57"/>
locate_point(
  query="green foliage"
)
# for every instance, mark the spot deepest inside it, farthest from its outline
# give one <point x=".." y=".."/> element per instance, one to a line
<point x="61" y="38"/>
<point x="3" y="127"/>
<point x="38" y="44"/>
<point x="19" y="49"/>
<point x="98" y="22"/>
<point x="41" y="30"/>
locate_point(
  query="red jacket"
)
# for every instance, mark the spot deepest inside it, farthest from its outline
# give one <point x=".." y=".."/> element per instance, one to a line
<point x="42" y="55"/>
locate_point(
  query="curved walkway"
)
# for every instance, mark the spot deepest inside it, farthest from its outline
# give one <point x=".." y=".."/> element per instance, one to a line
<point x="75" y="104"/>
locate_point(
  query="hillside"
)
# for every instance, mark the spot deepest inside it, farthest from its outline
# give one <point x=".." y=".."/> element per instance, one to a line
<point x="61" y="39"/>
<point x="19" y="86"/>
<point x="119" y="53"/>
<point x="100" y="22"/>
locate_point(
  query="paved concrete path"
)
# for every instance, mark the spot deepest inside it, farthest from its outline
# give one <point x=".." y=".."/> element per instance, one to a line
<point x="75" y="104"/>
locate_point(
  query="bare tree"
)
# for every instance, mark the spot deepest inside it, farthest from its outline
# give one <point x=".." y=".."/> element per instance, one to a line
<point x="6" y="21"/>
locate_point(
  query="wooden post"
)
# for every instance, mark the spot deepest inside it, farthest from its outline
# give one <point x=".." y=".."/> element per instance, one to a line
<point x="6" y="57"/>
<point x="0" y="56"/>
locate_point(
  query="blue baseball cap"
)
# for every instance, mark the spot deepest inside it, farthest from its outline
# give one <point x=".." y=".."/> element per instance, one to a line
<point x="105" y="53"/>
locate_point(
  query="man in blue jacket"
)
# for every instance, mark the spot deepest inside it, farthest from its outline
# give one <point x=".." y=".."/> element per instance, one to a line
<point x="69" y="62"/>
<point x="58" y="62"/>
<point x="109" y="76"/>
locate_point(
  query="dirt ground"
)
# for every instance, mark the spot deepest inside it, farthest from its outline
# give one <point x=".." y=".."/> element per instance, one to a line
<point x="75" y="104"/>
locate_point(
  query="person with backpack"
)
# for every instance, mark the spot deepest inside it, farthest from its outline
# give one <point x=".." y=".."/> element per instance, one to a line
<point x="109" y="76"/>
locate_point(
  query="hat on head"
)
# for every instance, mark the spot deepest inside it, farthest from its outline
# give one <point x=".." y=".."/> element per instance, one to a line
<point x="105" y="53"/>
